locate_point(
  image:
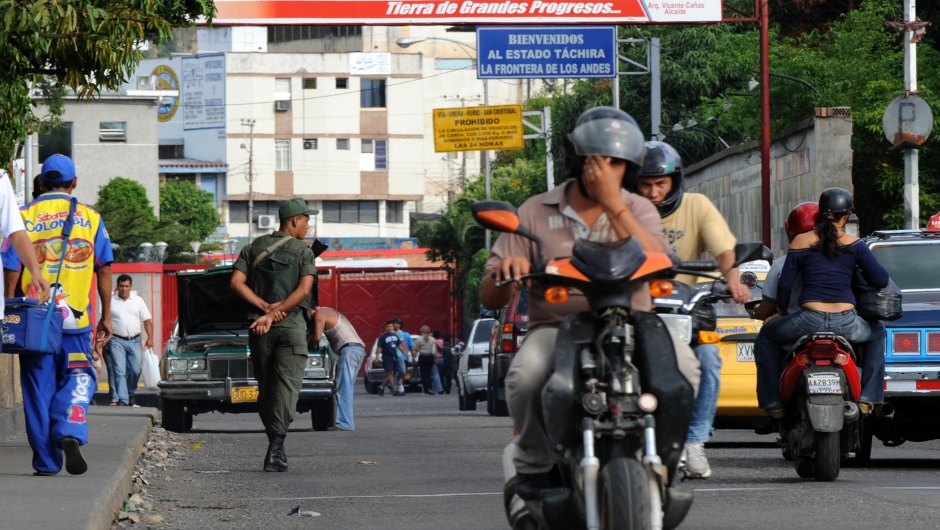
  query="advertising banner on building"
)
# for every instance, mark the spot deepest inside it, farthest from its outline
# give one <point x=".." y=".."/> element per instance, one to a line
<point x="203" y="92"/>
<point x="406" y="12"/>
<point x="546" y="52"/>
<point x="478" y="128"/>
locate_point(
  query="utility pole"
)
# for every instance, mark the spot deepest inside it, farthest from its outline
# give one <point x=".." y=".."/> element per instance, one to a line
<point x="251" y="173"/>
<point x="911" y="169"/>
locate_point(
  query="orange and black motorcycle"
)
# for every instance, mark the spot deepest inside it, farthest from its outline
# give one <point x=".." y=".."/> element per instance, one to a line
<point x="616" y="408"/>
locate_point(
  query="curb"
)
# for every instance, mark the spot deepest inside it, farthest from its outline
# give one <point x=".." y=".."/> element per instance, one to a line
<point x="109" y="502"/>
<point x="11" y="421"/>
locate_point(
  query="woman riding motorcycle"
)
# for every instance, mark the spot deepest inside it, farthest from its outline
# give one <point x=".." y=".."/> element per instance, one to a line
<point x="825" y="259"/>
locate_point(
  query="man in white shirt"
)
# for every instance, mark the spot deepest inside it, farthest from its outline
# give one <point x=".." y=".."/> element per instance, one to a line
<point x="128" y="313"/>
<point x="13" y="234"/>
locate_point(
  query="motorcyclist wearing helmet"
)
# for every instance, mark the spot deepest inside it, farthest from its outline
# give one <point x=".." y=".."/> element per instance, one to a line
<point x="802" y="219"/>
<point x="825" y="259"/>
<point x="693" y="225"/>
<point x="608" y="152"/>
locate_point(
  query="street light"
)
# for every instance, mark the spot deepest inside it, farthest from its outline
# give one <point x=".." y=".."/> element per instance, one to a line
<point x="195" y="246"/>
<point x="405" y="42"/>
<point x="145" y="250"/>
<point x="160" y="249"/>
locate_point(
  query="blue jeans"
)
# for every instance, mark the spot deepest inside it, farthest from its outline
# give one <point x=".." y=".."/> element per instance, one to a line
<point x="350" y="357"/>
<point x="706" y="402"/>
<point x="400" y="368"/>
<point x="125" y="357"/>
<point x="436" y="386"/>
<point x="109" y="364"/>
<point x="783" y="332"/>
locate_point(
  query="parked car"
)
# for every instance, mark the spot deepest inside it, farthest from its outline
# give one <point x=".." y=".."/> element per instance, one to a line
<point x="472" y="364"/>
<point x="512" y="322"/>
<point x="205" y="366"/>
<point x="375" y="373"/>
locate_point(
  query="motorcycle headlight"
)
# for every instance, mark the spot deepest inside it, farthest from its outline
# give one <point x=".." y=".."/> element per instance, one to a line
<point x="679" y="326"/>
<point x="314" y="361"/>
<point x="196" y="365"/>
<point x="177" y="365"/>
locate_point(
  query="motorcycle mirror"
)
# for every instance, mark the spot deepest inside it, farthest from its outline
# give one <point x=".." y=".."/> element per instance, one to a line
<point x="744" y="252"/>
<point x="496" y="215"/>
<point x="749" y="278"/>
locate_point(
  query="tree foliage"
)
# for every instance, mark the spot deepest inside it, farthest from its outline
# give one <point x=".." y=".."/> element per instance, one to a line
<point x="181" y="202"/>
<point x="127" y="212"/>
<point x="86" y="45"/>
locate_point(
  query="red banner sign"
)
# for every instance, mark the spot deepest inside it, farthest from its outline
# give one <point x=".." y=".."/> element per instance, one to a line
<point x="405" y="12"/>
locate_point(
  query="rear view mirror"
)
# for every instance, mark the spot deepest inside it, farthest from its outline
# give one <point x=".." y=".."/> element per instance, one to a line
<point x="496" y="215"/>
<point x="744" y="252"/>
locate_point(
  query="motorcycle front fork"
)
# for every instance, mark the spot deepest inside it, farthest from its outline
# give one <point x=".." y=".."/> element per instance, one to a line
<point x="590" y="465"/>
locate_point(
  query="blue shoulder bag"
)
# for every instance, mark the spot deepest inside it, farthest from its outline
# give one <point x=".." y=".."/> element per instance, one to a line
<point x="31" y="327"/>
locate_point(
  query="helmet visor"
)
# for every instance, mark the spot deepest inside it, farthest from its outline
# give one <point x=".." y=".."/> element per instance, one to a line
<point x="609" y="137"/>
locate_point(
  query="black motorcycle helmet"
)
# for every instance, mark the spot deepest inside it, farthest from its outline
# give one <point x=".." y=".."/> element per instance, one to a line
<point x="662" y="160"/>
<point x="834" y="203"/>
<point x="607" y="131"/>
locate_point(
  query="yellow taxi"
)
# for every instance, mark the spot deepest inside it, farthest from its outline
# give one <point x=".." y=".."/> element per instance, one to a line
<point x="737" y="399"/>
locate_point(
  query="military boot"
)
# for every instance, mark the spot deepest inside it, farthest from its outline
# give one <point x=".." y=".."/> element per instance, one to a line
<point x="274" y="458"/>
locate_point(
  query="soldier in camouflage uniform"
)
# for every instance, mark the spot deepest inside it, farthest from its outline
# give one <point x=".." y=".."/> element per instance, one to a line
<point x="275" y="274"/>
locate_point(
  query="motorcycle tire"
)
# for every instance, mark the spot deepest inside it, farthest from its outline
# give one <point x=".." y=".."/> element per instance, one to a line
<point x="804" y="467"/>
<point x="624" y="496"/>
<point x="828" y="457"/>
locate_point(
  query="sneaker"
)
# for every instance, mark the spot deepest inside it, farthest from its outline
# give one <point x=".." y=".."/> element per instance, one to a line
<point x="381" y="391"/>
<point x="399" y="393"/>
<point x="74" y="462"/>
<point x="696" y="465"/>
<point x="135" y="405"/>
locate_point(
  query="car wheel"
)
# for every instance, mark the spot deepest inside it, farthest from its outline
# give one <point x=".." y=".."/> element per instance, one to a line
<point x="372" y="388"/>
<point x="469" y="401"/>
<point x="461" y="404"/>
<point x="323" y="414"/>
<point x="175" y="417"/>
<point x="500" y="407"/>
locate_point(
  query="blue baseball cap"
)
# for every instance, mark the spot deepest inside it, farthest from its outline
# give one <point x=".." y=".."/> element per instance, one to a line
<point x="58" y="169"/>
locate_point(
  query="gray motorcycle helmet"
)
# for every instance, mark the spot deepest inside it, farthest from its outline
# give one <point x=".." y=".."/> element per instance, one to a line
<point x="607" y="131"/>
<point x="662" y="160"/>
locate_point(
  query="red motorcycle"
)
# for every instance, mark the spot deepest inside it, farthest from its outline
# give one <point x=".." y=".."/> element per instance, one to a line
<point x="820" y="388"/>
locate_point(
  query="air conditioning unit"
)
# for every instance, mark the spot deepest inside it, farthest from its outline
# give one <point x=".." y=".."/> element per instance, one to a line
<point x="282" y="105"/>
<point x="267" y="222"/>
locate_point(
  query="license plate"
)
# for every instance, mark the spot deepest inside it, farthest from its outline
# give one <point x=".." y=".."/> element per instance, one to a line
<point x="825" y="383"/>
<point x="245" y="394"/>
<point x="745" y="352"/>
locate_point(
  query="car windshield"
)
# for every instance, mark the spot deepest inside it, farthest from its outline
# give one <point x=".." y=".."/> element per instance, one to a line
<point x="482" y="333"/>
<point x="912" y="267"/>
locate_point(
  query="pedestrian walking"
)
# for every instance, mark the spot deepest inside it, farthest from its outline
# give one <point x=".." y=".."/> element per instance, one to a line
<point x="128" y="314"/>
<point x="57" y="388"/>
<point x="392" y="348"/>
<point x="351" y="349"/>
<point x="402" y="370"/>
<point x="447" y="364"/>
<point x="275" y="275"/>
<point x="426" y="350"/>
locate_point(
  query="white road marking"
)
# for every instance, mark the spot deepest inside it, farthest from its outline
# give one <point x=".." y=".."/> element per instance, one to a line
<point x="732" y="489"/>
<point x="431" y="495"/>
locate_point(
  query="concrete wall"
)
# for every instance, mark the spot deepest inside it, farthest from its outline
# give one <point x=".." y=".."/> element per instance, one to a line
<point x="806" y="158"/>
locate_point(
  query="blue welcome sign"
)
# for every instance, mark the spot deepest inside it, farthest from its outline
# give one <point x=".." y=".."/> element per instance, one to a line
<point x="546" y="52"/>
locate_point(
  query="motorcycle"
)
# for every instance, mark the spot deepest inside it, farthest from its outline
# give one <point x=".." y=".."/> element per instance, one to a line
<point x="820" y="388"/>
<point x="616" y="408"/>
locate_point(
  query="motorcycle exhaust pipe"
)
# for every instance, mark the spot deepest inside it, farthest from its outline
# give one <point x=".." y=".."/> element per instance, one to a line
<point x="850" y="412"/>
<point x="590" y="465"/>
<point x="885" y="411"/>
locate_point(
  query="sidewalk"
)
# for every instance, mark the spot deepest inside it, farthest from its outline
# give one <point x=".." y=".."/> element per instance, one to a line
<point x="88" y="501"/>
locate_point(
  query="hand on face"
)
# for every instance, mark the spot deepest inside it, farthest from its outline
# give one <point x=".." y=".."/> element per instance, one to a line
<point x="602" y="177"/>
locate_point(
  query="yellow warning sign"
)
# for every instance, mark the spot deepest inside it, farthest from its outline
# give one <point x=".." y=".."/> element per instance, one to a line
<point x="478" y="128"/>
